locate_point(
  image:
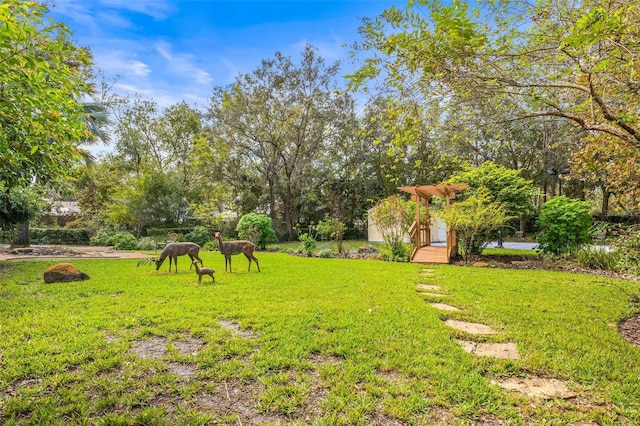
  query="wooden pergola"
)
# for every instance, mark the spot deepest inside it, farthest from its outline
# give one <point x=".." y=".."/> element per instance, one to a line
<point x="420" y="231"/>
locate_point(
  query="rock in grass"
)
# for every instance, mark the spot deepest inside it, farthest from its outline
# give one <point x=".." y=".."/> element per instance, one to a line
<point x="64" y="273"/>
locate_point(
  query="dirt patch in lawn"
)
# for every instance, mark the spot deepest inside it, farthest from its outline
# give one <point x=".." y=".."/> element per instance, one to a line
<point x="153" y="348"/>
<point x="235" y="329"/>
<point x="184" y="371"/>
<point x="630" y="329"/>
<point x="188" y="346"/>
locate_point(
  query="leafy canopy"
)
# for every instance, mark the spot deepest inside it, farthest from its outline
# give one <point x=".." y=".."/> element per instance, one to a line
<point x="575" y="61"/>
<point x="498" y="184"/>
<point x="42" y="74"/>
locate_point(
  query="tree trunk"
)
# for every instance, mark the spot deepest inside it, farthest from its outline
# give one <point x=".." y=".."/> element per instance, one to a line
<point x="22" y="236"/>
<point x="605" y="204"/>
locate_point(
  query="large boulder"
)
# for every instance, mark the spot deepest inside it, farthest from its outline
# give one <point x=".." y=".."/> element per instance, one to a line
<point x="64" y="273"/>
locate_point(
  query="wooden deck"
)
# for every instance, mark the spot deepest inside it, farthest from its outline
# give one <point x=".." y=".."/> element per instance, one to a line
<point x="431" y="254"/>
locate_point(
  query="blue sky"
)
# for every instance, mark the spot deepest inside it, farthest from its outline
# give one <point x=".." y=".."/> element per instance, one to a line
<point x="174" y="50"/>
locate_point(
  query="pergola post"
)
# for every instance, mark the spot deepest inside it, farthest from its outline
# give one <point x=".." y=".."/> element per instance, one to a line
<point x="419" y="225"/>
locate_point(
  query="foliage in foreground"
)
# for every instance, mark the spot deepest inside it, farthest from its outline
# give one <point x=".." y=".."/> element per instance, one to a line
<point x="565" y="225"/>
<point x="392" y="219"/>
<point x="323" y="340"/>
<point x="257" y="228"/>
<point x="474" y="219"/>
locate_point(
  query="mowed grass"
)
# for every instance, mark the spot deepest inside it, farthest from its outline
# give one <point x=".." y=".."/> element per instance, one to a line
<point x="307" y="341"/>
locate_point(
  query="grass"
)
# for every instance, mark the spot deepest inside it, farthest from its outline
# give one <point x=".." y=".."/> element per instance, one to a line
<point x="306" y="341"/>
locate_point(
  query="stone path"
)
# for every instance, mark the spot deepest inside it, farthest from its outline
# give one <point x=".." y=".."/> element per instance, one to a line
<point x="533" y="387"/>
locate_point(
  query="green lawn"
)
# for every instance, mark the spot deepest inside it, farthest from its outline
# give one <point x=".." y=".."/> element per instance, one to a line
<point x="306" y="341"/>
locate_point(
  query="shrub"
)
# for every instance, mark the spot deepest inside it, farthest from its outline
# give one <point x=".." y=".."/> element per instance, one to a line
<point x="628" y="245"/>
<point x="125" y="241"/>
<point x="146" y="243"/>
<point x="565" y="225"/>
<point x="256" y="227"/>
<point x="392" y="218"/>
<point x="80" y="236"/>
<point x="326" y="253"/>
<point x="333" y="228"/>
<point x="199" y="235"/>
<point x="308" y="244"/>
<point x="210" y="245"/>
<point x="103" y="238"/>
<point x="475" y="219"/>
<point x="397" y="253"/>
<point x="598" y="258"/>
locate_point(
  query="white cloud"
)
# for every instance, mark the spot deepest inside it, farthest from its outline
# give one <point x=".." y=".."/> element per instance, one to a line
<point x="114" y="19"/>
<point x="183" y="64"/>
<point x="118" y="62"/>
<point x="157" y="9"/>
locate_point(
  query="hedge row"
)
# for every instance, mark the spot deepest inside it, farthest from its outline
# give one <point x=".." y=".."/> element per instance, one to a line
<point x="62" y="236"/>
<point x="163" y="232"/>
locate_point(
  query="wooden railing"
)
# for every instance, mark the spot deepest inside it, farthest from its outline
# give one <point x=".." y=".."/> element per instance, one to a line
<point x="419" y="237"/>
<point x="413" y="235"/>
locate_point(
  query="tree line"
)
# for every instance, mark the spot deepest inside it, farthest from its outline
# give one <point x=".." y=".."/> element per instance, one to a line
<point x="549" y="91"/>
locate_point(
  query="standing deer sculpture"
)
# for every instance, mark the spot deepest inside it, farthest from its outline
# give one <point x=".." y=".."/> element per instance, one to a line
<point x="172" y="251"/>
<point x="231" y="248"/>
<point x="203" y="271"/>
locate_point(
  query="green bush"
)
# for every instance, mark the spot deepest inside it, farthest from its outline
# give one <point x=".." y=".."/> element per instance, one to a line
<point x="325" y="254"/>
<point x="308" y="244"/>
<point x="146" y="243"/>
<point x="395" y="253"/>
<point x="103" y="238"/>
<point x="125" y="241"/>
<point x="628" y="245"/>
<point x="598" y="258"/>
<point x="79" y="236"/>
<point x="210" y="245"/>
<point x="565" y="225"/>
<point x="199" y="235"/>
<point x="257" y="227"/>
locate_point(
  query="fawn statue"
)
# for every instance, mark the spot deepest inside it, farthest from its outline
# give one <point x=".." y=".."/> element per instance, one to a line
<point x="203" y="271"/>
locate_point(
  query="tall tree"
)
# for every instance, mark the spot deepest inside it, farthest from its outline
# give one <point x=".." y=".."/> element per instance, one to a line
<point x="42" y="76"/>
<point x="575" y="61"/>
<point x="279" y="120"/>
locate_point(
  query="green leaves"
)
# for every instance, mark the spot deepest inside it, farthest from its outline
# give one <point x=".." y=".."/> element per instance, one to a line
<point x="41" y="75"/>
<point x="565" y="225"/>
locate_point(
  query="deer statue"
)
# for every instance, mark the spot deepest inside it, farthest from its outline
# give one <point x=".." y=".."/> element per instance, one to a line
<point x="172" y="251"/>
<point x="203" y="271"/>
<point x="231" y="248"/>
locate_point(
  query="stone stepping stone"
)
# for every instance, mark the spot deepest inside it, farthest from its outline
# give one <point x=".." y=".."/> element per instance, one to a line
<point x="470" y="327"/>
<point x="444" y="307"/>
<point x="537" y="387"/>
<point x="428" y="287"/>
<point x="494" y="350"/>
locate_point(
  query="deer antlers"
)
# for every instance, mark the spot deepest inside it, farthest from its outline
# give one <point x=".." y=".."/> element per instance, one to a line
<point x="147" y="261"/>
